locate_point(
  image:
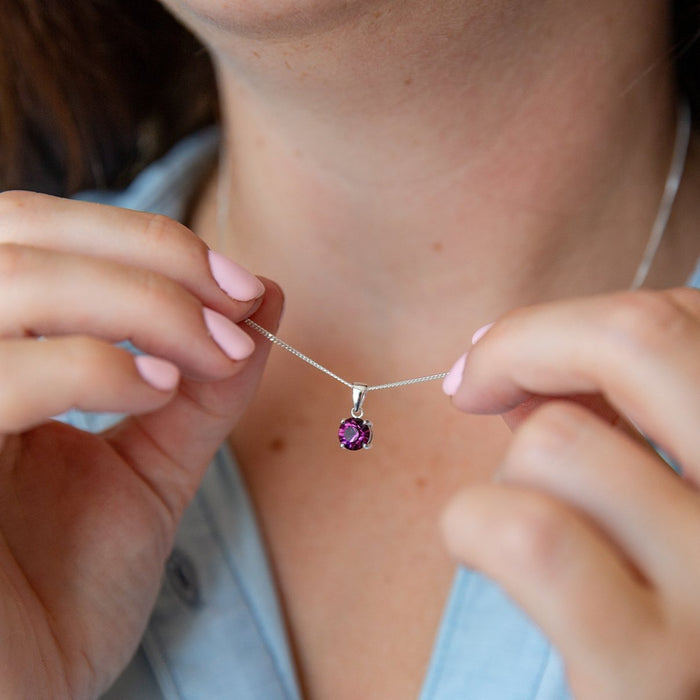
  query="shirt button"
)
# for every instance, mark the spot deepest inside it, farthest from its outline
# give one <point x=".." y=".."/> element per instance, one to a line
<point x="182" y="577"/>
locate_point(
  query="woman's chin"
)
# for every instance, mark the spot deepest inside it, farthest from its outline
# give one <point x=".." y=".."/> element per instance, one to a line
<point x="270" y="18"/>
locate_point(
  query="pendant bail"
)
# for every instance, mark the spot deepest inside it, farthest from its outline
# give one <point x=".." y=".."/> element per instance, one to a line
<point x="358" y="396"/>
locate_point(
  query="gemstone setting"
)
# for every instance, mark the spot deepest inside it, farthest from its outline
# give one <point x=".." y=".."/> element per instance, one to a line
<point x="355" y="434"/>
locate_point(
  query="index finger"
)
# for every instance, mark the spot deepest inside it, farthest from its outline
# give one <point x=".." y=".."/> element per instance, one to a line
<point x="641" y="350"/>
<point x="137" y="239"/>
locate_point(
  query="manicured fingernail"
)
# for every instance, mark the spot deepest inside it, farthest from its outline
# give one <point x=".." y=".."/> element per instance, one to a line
<point x="451" y="382"/>
<point x="160" y="374"/>
<point x="235" y="280"/>
<point x="478" y="335"/>
<point x="234" y="341"/>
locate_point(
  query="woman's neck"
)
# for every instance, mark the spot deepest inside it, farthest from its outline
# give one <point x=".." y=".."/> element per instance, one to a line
<point x="414" y="153"/>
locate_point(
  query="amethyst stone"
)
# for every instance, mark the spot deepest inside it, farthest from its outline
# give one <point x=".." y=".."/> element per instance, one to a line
<point x="355" y="434"/>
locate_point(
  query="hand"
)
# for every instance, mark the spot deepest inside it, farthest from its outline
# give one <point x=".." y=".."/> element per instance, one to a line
<point x="585" y="526"/>
<point x="86" y="521"/>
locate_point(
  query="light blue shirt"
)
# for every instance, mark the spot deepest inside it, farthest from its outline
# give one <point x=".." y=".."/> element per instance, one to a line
<point x="217" y="630"/>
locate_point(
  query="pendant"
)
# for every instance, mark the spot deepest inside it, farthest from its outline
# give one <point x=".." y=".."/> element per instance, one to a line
<point x="355" y="433"/>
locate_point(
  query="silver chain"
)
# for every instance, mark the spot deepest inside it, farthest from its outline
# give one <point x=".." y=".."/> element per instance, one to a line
<point x="663" y="214"/>
<point x="392" y="385"/>
<point x="673" y="181"/>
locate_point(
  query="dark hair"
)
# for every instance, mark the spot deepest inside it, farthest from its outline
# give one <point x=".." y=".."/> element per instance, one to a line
<point x="93" y="90"/>
<point x="686" y="51"/>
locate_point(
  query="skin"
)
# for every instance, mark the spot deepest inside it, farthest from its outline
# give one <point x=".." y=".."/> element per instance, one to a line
<point x="499" y="165"/>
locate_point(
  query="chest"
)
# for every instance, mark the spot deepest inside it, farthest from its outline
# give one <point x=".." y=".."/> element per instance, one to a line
<point x="362" y="594"/>
<point x="356" y="551"/>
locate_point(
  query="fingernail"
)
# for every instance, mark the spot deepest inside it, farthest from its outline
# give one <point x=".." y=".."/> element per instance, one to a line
<point x="478" y="335"/>
<point x="235" y="280"/>
<point x="160" y="374"/>
<point x="235" y="342"/>
<point x="451" y="382"/>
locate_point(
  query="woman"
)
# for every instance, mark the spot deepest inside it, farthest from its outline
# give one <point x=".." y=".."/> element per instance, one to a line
<point x="407" y="172"/>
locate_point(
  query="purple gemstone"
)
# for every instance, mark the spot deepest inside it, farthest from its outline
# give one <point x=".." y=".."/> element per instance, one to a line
<point x="355" y="433"/>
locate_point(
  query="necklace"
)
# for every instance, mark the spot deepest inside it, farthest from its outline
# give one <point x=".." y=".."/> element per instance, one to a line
<point x="355" y="433"/>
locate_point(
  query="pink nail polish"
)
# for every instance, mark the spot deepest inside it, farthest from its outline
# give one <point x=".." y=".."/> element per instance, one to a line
<point x="160" y="374"/>
<point x="479" y="334"/>
<point x="235" y="342"/>
<point x="452" y="381"/>
<point x="235" y="280"/>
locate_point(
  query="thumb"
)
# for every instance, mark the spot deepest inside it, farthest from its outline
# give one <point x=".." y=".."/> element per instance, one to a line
<point x="171" y="447"/>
